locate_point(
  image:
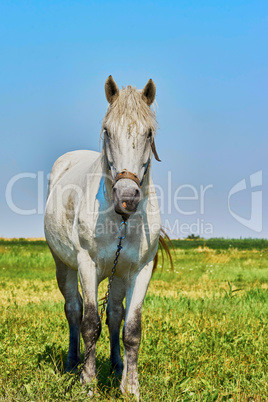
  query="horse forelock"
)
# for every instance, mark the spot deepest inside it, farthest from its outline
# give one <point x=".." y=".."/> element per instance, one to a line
<point x="129" y="110"/>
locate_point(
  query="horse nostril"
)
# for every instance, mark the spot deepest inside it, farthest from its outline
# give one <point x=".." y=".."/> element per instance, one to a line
<point x="126" y="198"/>
<point x="137" y="195"/>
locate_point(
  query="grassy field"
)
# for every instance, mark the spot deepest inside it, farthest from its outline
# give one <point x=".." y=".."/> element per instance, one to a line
<point x="205" y="334"/>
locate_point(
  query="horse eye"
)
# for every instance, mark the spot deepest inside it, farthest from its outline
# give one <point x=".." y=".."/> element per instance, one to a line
<point x="107" y="132"/>
<point x="149" y="136"/>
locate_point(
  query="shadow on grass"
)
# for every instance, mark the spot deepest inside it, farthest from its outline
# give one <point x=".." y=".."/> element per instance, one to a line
<point x="54" y="355"/>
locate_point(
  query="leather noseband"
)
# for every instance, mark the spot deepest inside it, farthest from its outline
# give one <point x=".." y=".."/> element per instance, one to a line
<point x="125" y="174"/>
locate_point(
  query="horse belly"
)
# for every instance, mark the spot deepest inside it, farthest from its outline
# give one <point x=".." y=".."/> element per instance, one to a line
<point x="59" y="240"/>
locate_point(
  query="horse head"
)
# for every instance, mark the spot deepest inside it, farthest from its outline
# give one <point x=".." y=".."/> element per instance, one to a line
<point x="129" y="127"/>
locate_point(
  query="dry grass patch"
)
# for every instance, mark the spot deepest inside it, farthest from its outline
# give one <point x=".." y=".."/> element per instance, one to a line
<point x="29" y="291"/>
<point x="34" y="291"/>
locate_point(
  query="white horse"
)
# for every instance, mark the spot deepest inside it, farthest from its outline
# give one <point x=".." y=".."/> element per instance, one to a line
<point x="88" y="194"/>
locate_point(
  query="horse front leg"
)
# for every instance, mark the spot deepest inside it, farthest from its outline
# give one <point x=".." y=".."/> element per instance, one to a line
<point x="115" y="314"/>
<point x="89" y="327"/>
<point x="136" y="291"/>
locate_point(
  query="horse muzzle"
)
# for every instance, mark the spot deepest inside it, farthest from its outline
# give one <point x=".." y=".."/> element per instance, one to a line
<point x="126" y="193"/>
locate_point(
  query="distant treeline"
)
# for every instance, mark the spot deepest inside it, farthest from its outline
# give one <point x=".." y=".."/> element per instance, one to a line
<point x="213" y="243"/>
<point x="22" y="242"/>
<point x="222" y="244"/>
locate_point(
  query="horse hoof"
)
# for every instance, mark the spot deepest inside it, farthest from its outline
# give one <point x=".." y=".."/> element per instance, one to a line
<point x="72" y="366"/>
<point x="91" y="393"/>
<point x="130" y="389"/>
<point x="117" y="369"/>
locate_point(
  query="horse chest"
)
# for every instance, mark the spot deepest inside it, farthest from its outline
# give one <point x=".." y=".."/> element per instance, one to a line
<point x="102" y="249"/>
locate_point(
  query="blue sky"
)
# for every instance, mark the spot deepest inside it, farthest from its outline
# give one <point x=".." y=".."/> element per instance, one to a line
<point x="209" y="61"/>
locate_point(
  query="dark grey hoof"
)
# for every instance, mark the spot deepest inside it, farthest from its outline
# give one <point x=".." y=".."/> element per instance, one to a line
<point x="117" y="369"/>
<point x="72" y="365"/>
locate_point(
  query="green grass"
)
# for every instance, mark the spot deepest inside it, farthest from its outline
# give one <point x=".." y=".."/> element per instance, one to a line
<point x="204" y="326"/>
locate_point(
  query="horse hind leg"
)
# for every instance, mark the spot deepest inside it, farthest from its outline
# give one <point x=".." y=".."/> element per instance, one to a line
<point x="115" y="314"/>
<point x="68" y="285"/>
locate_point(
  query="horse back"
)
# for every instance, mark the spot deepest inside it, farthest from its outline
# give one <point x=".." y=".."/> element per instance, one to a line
<point x="67" y="161"/>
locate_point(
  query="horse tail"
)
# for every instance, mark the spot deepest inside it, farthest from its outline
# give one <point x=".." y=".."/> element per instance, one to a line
<point x="164" y="243"/>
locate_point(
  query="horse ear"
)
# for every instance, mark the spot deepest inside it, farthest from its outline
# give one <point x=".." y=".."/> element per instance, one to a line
<point x="148" y="92"/>
<point x="111" y="90"/>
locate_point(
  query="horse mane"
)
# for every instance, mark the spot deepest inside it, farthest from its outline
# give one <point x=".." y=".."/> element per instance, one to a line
<point x="135" y="112"/>
<point x="164" y="247"/>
